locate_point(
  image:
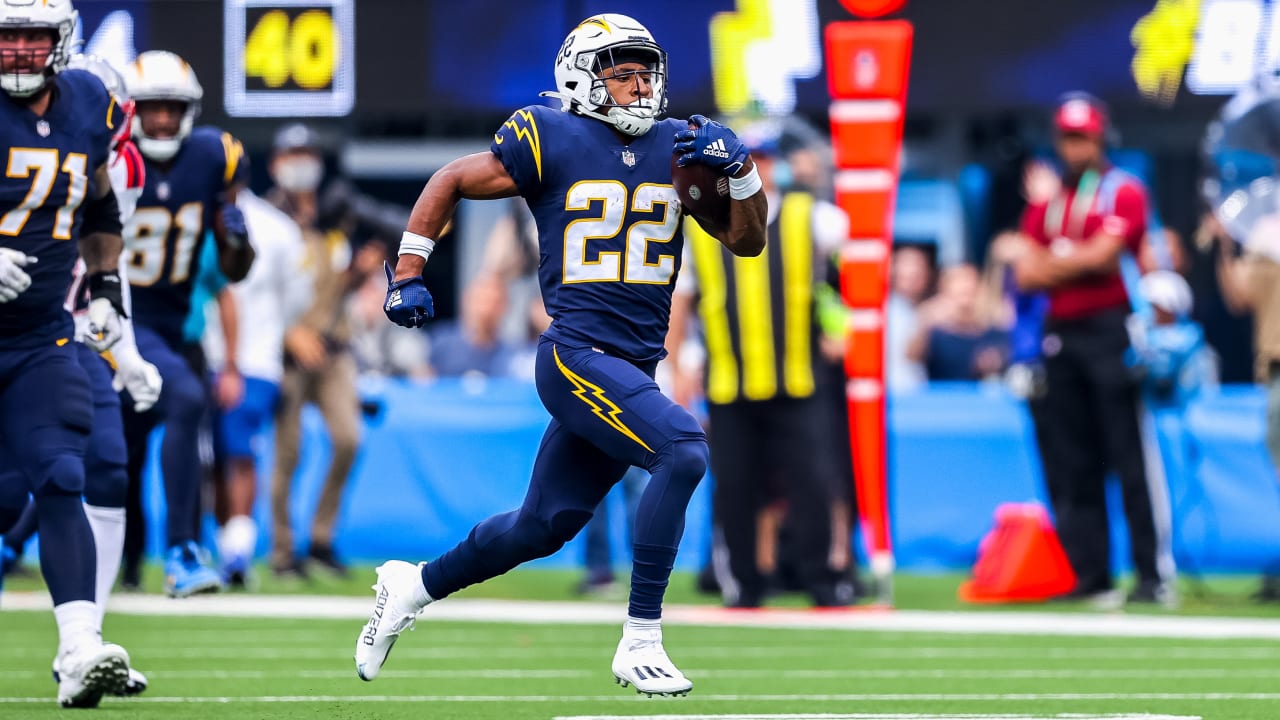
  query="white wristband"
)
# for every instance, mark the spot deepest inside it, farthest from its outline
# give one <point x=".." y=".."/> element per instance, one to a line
<point x="745" y="186"/>
<point x="415" y="244"/>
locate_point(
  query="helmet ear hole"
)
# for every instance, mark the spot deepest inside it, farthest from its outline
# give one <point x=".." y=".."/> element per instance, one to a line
<point x="571" y="84"/>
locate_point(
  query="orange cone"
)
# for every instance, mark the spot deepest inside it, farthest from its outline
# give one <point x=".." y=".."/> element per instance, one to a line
<point x="1020" y="560"/>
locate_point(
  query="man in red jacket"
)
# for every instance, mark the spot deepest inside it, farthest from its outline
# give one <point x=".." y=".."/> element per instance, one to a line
<point x="1088" y="421"/>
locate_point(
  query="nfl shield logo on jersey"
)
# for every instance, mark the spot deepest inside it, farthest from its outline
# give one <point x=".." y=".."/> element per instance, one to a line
<point x="628" y="158"/>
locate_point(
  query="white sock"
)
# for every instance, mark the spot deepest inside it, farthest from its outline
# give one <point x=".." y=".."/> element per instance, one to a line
<point x="78" y="622"/>
<point x="421" y="597"/>
<point x="634" y="624"/>
<point x="238" y="538"/>
<point x="108" y="534"/>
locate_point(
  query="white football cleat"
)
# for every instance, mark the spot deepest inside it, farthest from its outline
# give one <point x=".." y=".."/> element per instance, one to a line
<point x="135" y="685"/>
<point x="89" y="671"/>
<point x="395" y="607"/>
<point x="641" y="661"/>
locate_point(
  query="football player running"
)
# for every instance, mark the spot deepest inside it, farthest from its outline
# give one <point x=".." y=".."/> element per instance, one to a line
<point x="597" y="176"/>
<point x="106" y="479"/>
<point x="56" y="205"/>
<point x="192" y="177"/>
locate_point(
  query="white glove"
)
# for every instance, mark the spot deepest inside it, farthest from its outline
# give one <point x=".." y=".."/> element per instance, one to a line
<point x="13" y="280"/>
<point x="138" y="376"/>
<point x="104" y="325"/>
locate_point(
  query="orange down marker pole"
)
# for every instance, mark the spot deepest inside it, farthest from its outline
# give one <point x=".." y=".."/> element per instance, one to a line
<point x="868" y="64"/>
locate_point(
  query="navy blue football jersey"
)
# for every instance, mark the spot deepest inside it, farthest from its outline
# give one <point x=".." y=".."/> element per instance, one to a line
<point x="608" y="226"/>
<point x="162" y="239"/>
<point x="49" y="164"/>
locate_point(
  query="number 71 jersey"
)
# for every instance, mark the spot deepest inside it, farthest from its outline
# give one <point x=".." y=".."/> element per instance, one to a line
<point x="164" y="236"/>
<point x="48" y="167"/>
<point x="608" y="226"/>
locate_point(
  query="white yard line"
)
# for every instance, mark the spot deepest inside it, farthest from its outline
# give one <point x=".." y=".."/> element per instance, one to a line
<point x="700" y="673"/>
<point x="627" y="696"/>
<point x="876" y="716"/>
<point x="522" y="612"/>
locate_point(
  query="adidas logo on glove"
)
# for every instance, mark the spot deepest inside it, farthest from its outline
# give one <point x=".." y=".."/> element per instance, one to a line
<point x="716" y="149"/>
<point x="393" y="301"/>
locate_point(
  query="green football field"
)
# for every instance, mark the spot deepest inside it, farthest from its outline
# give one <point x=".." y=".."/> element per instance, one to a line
<point x="294" y="667"/>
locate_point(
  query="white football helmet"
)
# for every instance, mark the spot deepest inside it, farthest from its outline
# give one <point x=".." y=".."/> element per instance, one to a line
<point x="600" y="42"/>
<point x="161" y="75"/>
<point x="57" y="15"/>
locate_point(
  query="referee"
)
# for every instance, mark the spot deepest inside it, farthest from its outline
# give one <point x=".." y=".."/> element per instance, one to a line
<point x="1088" y="420"/>
<point x="768" y="436"/>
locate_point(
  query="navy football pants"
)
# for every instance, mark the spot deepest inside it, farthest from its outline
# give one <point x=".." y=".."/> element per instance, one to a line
<point x="45" y="414"/>
<point x="106" y="481"/>
<point x="181" y="406"/>
<point x="607" y="414"/>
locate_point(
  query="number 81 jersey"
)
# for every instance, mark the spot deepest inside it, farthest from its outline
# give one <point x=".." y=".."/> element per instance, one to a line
<point x="164" y="236"/>
<point x="48" y="166"/>
<point x="608" y="226"/>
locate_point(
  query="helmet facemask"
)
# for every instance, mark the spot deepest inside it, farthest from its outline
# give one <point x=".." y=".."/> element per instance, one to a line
<point x="636" y="116"/>
<point x="22" y="82"/>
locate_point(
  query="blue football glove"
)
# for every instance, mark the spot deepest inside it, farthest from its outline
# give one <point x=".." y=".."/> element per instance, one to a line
<point x="712" y="144"/>
<point x="408" y="302"/>
<point x="233" y="223"/>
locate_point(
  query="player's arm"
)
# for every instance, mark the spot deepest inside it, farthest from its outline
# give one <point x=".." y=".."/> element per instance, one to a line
<point x="100" y="247"/>
<point x="479" y="176"/>
<point x="230" y="232"/>
<point x="747" y="219"/>
<point x="748" y="209"/>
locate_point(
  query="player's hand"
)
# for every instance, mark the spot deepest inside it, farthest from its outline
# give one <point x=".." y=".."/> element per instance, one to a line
<point x="234" y="225"/>
<point x="408" y="301"/>
<point x="13" y="279"/>
<point x="711" y="144"/>
<point x="138" y="376"/>
<point x="106" y="311"/>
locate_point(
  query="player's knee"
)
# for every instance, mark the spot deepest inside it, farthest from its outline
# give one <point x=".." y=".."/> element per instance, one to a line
<point x="106" y="485"/>
<point x="542" y="537"/>
<point x="689" y="460"/>
<point x="62" y="474"/>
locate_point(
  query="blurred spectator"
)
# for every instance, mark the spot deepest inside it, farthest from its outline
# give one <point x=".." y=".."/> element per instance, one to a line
<point x="1087" y="421"/>
<point x="381" y="348"/>
<point x="910" y="280"/>
<point x="957" y="336"/>
<point x="767" y="436"/>
<point x="319" y="365"/>
<point x="1175" y="362"/>
<point x="270" y="299"/>
<point x="471" y="345"/>
<point x="1252" y="282"/>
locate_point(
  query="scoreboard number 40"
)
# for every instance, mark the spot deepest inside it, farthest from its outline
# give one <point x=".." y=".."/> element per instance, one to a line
<point x="287" y="58"/>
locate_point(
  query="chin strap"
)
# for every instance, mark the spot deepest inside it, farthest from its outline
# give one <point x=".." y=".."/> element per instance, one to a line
<point x="618" y="116"/>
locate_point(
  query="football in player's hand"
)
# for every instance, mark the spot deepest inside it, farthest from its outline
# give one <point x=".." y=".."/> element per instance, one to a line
<point x="703" y="192"/>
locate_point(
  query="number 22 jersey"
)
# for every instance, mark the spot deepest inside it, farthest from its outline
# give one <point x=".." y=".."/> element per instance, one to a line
<point x="608" y="226"/>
